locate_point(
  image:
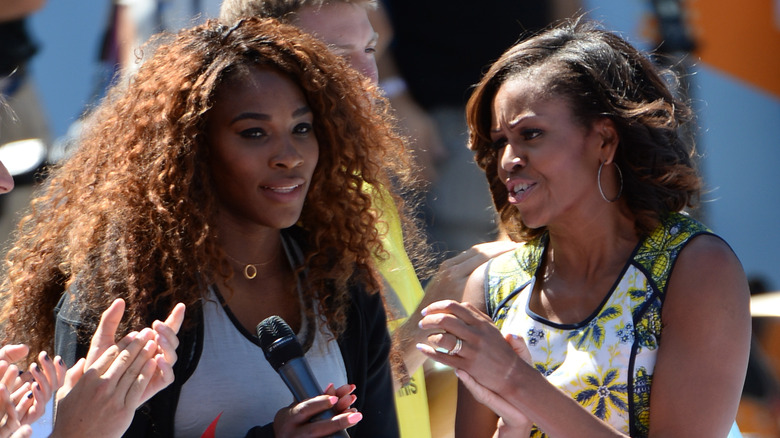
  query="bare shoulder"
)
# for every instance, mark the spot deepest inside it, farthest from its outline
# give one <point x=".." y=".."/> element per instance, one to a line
<point x="708" y="273"/>
<point x="703" y="355"/>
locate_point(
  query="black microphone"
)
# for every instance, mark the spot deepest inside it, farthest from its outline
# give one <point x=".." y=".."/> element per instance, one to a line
<point x="285" y="354"/>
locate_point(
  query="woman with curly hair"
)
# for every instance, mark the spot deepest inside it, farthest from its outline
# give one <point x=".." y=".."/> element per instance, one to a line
<point x="620" y="315"/>
<point x="230" y="174"/>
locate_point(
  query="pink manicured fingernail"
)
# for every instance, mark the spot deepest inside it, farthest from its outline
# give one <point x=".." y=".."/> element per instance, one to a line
<point x="333" y="400"/>
<point x="354" y="418"/>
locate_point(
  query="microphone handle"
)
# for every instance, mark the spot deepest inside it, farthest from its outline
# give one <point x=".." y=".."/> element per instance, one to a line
<point x="298" y="377"/>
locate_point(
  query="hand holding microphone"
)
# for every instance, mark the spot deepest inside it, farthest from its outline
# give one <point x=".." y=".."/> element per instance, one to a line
<point x="285" y="354"/>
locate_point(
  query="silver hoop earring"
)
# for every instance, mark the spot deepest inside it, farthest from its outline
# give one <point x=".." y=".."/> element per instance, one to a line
<point x="601" y="190"/>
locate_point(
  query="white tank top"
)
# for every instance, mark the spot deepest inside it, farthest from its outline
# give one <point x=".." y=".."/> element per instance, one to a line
<point x="234" y="381"/>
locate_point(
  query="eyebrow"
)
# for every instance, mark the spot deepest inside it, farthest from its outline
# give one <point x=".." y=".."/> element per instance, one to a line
<point x="515" y="122"/>
<point x="374" y="39"/>
<point x="265" y="117"/>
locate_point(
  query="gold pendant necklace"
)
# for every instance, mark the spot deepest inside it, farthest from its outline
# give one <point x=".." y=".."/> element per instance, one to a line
<point x="250" y="269"/>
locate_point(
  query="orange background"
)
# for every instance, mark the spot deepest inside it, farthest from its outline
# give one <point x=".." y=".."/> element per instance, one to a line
<point x="740" y="38"/>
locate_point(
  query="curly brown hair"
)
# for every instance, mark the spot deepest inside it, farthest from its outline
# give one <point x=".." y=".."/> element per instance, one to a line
<point x="131" y="214"/>
<point x="600" y="75"/>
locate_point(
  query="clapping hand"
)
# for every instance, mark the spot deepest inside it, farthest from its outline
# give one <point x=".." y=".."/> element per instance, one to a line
<point x="165" y="336"/>
<point x="102" y="391"/>
<point x="29" y="391"/>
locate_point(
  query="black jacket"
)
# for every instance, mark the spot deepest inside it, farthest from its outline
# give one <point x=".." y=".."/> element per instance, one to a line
<point x="365" y="346"/>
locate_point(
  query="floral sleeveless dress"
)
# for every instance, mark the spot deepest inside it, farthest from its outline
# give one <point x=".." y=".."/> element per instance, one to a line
<point x="605" y="362"/>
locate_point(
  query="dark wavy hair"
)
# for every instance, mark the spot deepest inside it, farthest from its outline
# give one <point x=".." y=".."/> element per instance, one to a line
<point x="600" y="75"/>
<point x="131" y="214"/>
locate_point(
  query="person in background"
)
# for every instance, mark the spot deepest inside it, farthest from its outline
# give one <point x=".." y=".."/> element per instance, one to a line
<point x="229" y="175"/>
<point x="620" y="315"/>
<point x="134" y="22"/>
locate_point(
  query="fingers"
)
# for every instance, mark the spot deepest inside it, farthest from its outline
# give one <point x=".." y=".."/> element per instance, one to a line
<point x="485" y="396"/>
<point x="22" y="393"/>
<point x="126" y="340"/>
<point x="304" y="411"/>
<point x="346" y="397"/>
<point x="72" y="376"/>
<point x="8" y="410"/>
<point x="11" y="376"/>
<point x="167" y="340"/>
<point x="451" y="277"/>
<point x="125" y="360"/>
<point x="27" y="411"/>
<point x="167" y="332"/>
<point x="137" y="374"/>
<point x="518" y="344"/>
<point x="450" y="315"/>
<point x="511" y="415"/>
<point x="176" y="317"/>
<point x="49" y="376"/>
<point x="469" y="260"/>
<point x="106" y="331"/>
<point x="13" y="353"/>
<point x="343" y="390"/>
<point x="492" y="249"/>
<point x="161" y="377"/>
<point x="347" y="419"/>
<point x="445" y="343"/>
<point x="115" y="356"/>
<point x="24" y="431"/>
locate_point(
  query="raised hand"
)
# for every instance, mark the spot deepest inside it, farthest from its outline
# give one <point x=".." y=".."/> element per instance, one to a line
<point x="449" y="283"/>
<point x="164" y="336"/>
<point x="101" y="400"/>
<point x="483" y="347"/>
<point x="49" y="376"/>
<point x="30" y="391"/>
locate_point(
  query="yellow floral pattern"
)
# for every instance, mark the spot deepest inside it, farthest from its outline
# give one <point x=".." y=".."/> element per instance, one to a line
<point x="605" y="362"/>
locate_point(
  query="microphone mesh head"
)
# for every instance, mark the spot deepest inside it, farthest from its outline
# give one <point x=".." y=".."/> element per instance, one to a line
<point x="278" y="341"/>
<point x="271" y="329"/>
